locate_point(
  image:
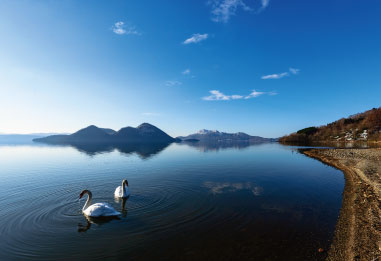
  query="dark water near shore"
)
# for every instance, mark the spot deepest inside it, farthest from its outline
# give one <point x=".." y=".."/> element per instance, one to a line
<point x="260" y="202"/>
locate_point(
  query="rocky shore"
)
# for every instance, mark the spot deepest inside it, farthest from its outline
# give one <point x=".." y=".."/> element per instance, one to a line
<point x="358" y="230"/>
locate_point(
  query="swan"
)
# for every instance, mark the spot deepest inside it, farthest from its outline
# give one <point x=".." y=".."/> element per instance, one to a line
<point x="97" y="209"/>
<point x="122" y="191"/>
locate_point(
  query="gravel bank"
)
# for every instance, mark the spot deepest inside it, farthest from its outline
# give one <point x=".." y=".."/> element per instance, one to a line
<point x="358" y="230"/>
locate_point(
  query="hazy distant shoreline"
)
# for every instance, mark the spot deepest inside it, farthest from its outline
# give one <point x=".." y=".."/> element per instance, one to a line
<point x="358" y="230"/>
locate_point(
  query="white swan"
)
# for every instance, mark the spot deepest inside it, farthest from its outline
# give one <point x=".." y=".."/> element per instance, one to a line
<point x="122" y="191"/>
<point x="97" y="209"/>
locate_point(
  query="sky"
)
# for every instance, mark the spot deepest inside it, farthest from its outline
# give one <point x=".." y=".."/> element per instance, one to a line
<point x="264" y="67"/>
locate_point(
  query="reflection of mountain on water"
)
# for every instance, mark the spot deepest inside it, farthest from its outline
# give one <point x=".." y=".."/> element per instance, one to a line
<point x="143" y="150"/>
<point x="145" y="140"/>
<point x="206" y="146"/>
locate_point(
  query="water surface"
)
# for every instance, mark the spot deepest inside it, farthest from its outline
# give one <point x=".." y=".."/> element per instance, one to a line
<point x="261" y="202"/>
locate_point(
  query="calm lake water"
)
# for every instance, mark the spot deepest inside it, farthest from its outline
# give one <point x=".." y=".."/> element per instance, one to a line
<point x="260" y="202"/>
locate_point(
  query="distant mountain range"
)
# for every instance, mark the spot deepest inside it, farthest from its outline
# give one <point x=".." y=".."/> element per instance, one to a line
<point x="144" y="133"/>
<point x="213" y="136"/>
<point x="21" y="138"/>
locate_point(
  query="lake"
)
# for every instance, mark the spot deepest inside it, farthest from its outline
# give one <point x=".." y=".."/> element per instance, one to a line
<point x="188" y="202"/>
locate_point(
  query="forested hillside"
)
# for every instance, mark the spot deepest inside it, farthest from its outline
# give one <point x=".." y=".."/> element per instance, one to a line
<point x="364" y="126"/>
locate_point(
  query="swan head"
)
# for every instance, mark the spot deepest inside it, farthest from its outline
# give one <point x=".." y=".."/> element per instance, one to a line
<point x="125" y="182"/>
<point x="84" y="192"/>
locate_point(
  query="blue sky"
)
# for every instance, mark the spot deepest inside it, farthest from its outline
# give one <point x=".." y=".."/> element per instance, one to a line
<point x="267" y="67"/>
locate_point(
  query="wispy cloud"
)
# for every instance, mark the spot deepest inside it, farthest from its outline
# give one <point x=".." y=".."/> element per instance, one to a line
<point x="236" y="97"/>
<point x="254" y="94"/>
<point x="222" y="10"/>
<point x="186" y="72"/>
<point x="150" y="114"/>
<point x="275" y="76"/>
<point x="264" y="4"/>
<point x="272" y="93"/>
<point x="173" y="83"/>
<point x="216" y="95"/>
<point x="122" y="28"/>
<point x="196" y="38"/>
<point x="292" y="71"/>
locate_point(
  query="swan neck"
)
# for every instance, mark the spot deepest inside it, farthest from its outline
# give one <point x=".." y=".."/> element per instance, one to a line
<point x="88" y="201"/>
<point x="123" y="188"/>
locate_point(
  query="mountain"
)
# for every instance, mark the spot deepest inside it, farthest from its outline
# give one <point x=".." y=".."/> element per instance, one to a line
<point x="364" y="126"/>
<point x="216" y="136"/>
<point x="90" y="134"/>
<point x="108" y="131"/>
<point x="144" y="133"/>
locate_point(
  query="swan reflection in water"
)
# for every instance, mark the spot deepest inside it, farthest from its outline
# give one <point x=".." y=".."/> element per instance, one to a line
<point x="99" y="221"/>
<point x="123" y="201"/>
<point x="95" y="220"/>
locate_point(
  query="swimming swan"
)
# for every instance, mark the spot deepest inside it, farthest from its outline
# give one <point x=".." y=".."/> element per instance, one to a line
<point x="122" y="191"/>
<point x="97" y="209"/>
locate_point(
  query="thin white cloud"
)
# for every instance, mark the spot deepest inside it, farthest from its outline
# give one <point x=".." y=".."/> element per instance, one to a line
<point x="293" y="71"/>
<point x="173" y="83"/>
<point x="196" y="38"/>
<point x="186" y="72"/>
<point x="254" y="94"/>
<point x="122" y="28"/>
<point x="236" y="97"/>
<point x="150" y="114"/>
<point x="275" y="76"/>
<point x="222" y="10"/>
<point x="216" y="95"/>
<point x="264" y="4"/>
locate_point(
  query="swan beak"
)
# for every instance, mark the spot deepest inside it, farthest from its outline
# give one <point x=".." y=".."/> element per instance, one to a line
<point x="80" y="195"/>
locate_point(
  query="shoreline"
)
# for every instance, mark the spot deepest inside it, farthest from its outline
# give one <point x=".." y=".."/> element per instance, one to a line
<point x="358" y="229"/>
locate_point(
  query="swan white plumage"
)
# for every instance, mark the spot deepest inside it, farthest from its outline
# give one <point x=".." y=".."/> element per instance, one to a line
<point x="122" y="191"/>
<point x="97" y="209"/>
